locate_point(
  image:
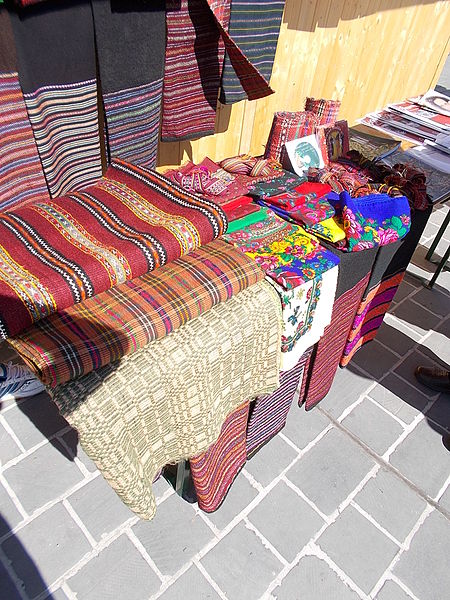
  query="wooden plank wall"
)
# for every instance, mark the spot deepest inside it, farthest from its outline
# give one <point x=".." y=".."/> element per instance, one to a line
<point x="365" y="53"/>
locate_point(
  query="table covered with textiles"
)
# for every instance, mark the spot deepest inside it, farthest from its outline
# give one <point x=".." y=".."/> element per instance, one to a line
<point x="179" y="316"/>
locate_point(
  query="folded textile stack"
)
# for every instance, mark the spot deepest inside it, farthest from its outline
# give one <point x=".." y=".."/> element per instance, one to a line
<point x="68" y="249"/>
<point x="168" y="401"/>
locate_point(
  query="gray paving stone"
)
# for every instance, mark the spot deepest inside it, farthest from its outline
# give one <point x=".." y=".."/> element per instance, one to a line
<point x="361" y="550"/>
<point x="119" y="571"/>
<point x="312" y="579"/>
<point x="302" y="427"/>
<point x="404" y="290"/>
<point x="160" y="487"/>
<point x="424" y="567"/>
<point x="99" y="507"/>
<point x="440" y="411"/>
<point x="437" y="347"/>
<point x="8" y="590"/>
<point x="444" y="327"/>
<point x="394" y="339"/>
<point x="35" y="420"/>
<point x="374" y="359"/>
<point x="71" y="439"/>
<point x="191" y="586"/>
<point x="331" y="470"/>
<point x="42" y="476"/>
<point x="416" y="316"/>
<point x="445" y="500"/>
<point x="268" y="463"/>
<point x="9" y="515"/>
<point x="423" y="459"/>
<point x="399" y="398"/>
<point x="241" y="565"/>
<point x="174" y="536"/>
<point x="290" y="528"/>
<point x="8" y="447"/>
<point x="407" y="367"/>
<point x="433" y="300"/>
<point x="392" y="591"/>
<point x="58" y="594"/>
<point x="45" y="549"/>
<point x="239" y="496"/>
<point x="348" y="385"/>
<point x="405" y="334"/>
<point x="373" y="426"/>
<point x="392" y="503"/>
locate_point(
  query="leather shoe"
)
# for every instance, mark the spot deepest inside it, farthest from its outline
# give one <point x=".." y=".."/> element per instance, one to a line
<point x="433" y="378"/>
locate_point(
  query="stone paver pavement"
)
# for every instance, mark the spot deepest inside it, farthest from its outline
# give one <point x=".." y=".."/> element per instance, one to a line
<point x="351" y="501"/>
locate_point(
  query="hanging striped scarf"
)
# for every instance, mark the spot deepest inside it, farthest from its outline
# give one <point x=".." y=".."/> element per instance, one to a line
<point x="58" y="77"/>
<point x="130" y="39"/>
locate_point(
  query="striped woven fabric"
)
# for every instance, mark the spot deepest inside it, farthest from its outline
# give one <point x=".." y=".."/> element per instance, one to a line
<point x="103" y="329"/>
<point x="370" y="315"/>
<point x="168" y="401"/>
<point x="268" y="413"/>
<point x="130" y="41"/>
<point x="194" y="58"/>
<point x="21" y="176"/>
<point x="65" y="124"/>
<point x="214" y="471"/>
<point x="55" y="254"/>
<point x="330" y="347"/>
<point x="57" y="72"/>
<point x="197" y="35"/>
<point x="326" y="110"/>
<point x="132" y="121"/>
<point x="255" y="26"/>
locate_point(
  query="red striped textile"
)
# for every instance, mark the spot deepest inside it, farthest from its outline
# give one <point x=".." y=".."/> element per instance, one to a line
<point x="57" y="253"/>
<point x="330" y="347"/>
<point x="193" y="68"/>
<point x="370" y="315"/>
<point x="120" y="321"/>
<point x="214" y="471"/>
<point x="196" y="41"/>
<point x="268" y="413"/>
<point x="21" y="176"/>
<point x="305" y="375"/>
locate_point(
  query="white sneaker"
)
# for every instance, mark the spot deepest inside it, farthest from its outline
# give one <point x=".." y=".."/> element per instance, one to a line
<point x="17" y="381"/>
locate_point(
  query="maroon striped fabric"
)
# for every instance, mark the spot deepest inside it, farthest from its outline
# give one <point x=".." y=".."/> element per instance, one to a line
<point x="330" y="347"/>
<point x="214" y="471"/>
<point x="195" y="49"/>
<point x="268" y="413"/>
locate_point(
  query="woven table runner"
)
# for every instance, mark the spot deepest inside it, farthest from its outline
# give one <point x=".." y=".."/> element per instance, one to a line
<point x="56" y="56"/>
<point x="71" y="248"/>
<point x="21" y="175"/>
<point x="103" y="329"/>
<point x="386" y="276"/>
<point x="214" y="471"/>
<point x="254" y="26"/>
<point x="196" y="40"/>
<point x="130" y="37"/>
<point x="168" y="401"/>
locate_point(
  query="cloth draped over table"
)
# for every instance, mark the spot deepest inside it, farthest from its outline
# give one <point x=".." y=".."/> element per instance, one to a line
<point x="196" y="40"/>
<point x="21" y="175"/>
<point x="168" y="401"/>
<point x="71" y="248"/>
<point x="387" y="274"/>
<point x="56" y="56"/>
<point x="214" y="471"/>
<point x="255" y="26"/>
<point x="354" y="274"/>
<point x="130" y="38"/>
<point x="124" y="319"/>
